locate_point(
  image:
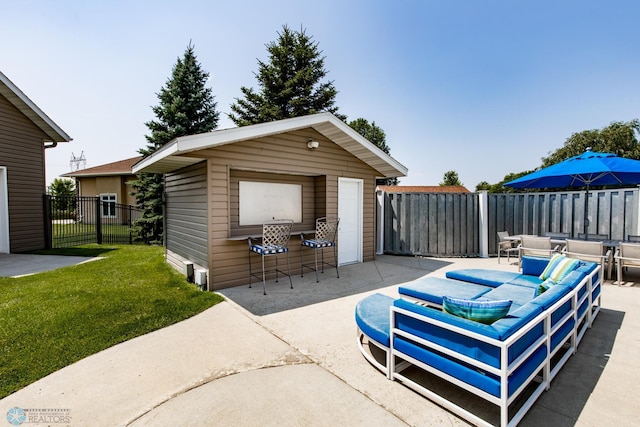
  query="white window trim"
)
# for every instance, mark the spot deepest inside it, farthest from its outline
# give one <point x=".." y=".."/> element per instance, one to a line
<point x="114" y="201"/>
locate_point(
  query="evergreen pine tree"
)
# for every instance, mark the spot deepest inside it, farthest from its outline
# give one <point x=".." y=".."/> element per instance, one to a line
<point x="186" y="107"/>
<point x="290" y="83"/>
<point x="375" y="135"/>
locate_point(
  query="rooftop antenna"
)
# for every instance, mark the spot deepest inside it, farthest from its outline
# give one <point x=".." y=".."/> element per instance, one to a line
<point x="77" y="163"/>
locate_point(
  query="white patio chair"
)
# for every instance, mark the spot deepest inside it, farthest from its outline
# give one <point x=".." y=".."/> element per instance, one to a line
<point x="506" y="246"/>
<point x="627" y="255"/>
<point x="275" y="241"/>
<point x="325" y="237"/>
<point x="536" y="246"/>
<point x="590" y="251"/>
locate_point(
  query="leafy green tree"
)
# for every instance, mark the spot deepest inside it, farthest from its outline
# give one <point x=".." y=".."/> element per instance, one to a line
<point x="186" y="107"/>
<point x="62" y="187"/>
<point x="451" y="178"/>
<point x="377" y="136"/>
<point x="619" y="138"/>
<point x="290" y="83"/>
<point x="483" y="185"/>
<point x="500" y="187"/>
<point x="64" y="201"/>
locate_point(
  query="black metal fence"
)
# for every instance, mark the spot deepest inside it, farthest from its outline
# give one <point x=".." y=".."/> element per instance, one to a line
<point x="72" y="221"/>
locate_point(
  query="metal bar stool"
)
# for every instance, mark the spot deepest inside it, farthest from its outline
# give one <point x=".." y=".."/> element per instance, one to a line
<point x="275" y="241"/>
<point x="325" y="237"/>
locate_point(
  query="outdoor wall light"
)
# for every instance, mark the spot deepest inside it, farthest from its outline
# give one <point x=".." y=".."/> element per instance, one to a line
<point x="312" y="145"/>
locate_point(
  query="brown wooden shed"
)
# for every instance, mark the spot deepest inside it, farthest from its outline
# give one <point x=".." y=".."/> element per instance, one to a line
<point x="220" y="184"/>
<point x="25" y="133"/>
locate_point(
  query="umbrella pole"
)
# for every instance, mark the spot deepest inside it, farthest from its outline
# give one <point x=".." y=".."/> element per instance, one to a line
<point x="586" y="214"/>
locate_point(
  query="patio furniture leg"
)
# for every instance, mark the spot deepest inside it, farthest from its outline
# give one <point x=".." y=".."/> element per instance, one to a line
<point x="315" y="252"/>
<point x="250" y="273"/>
<point x="335" y="260"/>
<point x="264" y="285"/>
<point x="301" y="264"/>
<point x="289" y="271"/>
<point x="610" y="266"/>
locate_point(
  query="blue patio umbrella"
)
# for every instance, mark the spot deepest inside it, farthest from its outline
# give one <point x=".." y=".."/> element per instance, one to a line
<point x="585" y="170"/>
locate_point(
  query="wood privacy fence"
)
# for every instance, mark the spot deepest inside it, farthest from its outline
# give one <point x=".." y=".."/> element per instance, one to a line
<point x="438" y="224"/>
<point x="466" y="224"/>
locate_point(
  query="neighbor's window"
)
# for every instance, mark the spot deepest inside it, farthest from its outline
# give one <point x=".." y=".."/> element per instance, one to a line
<point x="108" y="205"/>
<point x="264" y="201"/>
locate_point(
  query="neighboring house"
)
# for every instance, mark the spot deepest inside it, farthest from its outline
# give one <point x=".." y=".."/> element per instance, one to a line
<point x="221" y="186"/>
<point x="111" y="182"/>
<point x="423" y="189"/>
<point x="25" y="133"/>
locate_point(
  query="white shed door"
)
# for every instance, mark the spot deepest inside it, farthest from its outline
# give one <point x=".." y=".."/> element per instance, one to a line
<point x="4" y="212"/>
<point x="350" y="214"/>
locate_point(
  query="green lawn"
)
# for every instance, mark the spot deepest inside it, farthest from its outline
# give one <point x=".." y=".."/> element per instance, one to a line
<point x="50" y="320"/>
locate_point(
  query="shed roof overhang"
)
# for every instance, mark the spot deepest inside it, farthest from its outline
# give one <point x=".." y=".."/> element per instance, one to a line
<point x="176" y="154"/>
<point x="19" y="100"/>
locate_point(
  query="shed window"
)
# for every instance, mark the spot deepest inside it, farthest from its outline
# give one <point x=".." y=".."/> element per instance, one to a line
<point x="108" y="203"/>
<point x="264" y="201"/>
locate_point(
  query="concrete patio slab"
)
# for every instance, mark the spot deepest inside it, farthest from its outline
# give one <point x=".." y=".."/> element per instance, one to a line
<point x="250" y="399"/>
<point x="290" y="358"/>
<point x="16" y="265"/>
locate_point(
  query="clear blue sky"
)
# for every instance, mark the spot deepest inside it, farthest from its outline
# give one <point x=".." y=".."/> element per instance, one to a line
<point x="482" y="87"/>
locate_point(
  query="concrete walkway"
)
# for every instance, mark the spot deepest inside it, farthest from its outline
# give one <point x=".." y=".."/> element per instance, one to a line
<point x="16" y="265"/>
<point x="290" y="358"/>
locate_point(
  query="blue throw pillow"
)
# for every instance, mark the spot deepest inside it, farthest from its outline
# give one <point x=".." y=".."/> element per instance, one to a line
<point x="559" y="266"/>
<point x="478" y="311"/>
<point x="544" y="286"/>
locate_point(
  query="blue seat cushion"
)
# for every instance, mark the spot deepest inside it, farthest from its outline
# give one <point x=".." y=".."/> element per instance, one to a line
<point x="318" y="243"/>
<point x="373" y="317"/>
<point x="587" y="267"/>
<point x="268" y="249"/>
<point x="572" y="280"/>
<point x="482" y="276"/>
<point x="527" y="281"/>
<point x="431" y="289"/>
<point x="551" y="296"/>
<point x="534" y="265"/>
<point x="520" y="295"/>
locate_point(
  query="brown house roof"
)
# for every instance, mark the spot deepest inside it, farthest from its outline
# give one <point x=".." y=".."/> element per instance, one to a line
<point x="423" y="189"/>
<point x="121" y="167"/>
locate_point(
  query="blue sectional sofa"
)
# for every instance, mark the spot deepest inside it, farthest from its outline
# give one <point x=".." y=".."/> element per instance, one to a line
<point x="514" y="358"/>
